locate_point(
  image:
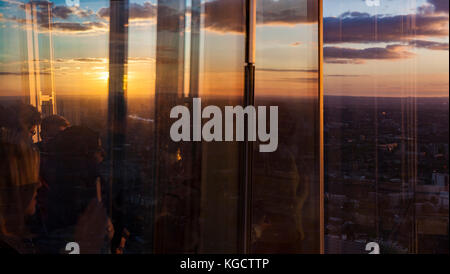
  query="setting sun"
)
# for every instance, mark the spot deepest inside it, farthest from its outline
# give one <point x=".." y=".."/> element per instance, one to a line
<point x="104" y="75"/>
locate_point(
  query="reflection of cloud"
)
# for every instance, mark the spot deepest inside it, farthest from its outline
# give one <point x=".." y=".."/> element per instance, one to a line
<point x="64" y="27"/>
<point x="12" y="73"/>
<point x="439" y="5"/>
<point x="80" y="27"/>
<point x="338" y="55"/>
<point x="430" y="21"/>
<point x="136" y="11"/>
<point x="300" y="79"/>
<point x="288" y="12"/>
<point x="286" y="70"/>
<point x="82" y="60"/>
<point x="362" y="28"/>
<point x="62" y="12"/>
<point x="428" y="45"/>
<point x="65" y="12"/>
<point x="141" y="59"/>
<point x="219" y="15"/>
<point x="228" y="15"/>
<point x="224" y="15"/>
<point x="344" y="75"/>
<point x="94" y="60"/>
<point x="7" y="73"/>
<point x="15" y="2"/>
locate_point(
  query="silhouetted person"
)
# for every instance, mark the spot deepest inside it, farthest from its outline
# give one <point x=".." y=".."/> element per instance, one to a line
<point x="72" y="174"/>
<point x="51" y="126"/>
<point x="18" y="122"/>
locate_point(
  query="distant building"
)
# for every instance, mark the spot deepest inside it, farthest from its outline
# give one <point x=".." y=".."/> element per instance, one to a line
<point x="439" y="179"/>
<point x="443" y="199"/>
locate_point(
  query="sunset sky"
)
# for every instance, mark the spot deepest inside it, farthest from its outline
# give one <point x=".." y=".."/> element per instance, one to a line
<point x="399" y="48"/>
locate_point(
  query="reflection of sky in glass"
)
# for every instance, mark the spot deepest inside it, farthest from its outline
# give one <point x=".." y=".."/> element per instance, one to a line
<point x="337" y="7"/>
<point x="387" y="62"/>
<point x="83" y="33"/>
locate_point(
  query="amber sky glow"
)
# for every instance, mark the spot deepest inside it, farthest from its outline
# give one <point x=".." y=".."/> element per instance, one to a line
<point x="357" y="63"/>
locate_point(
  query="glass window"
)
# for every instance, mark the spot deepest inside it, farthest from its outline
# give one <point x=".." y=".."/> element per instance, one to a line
<point x="286" y="183"/>
<point x="386" y="125"/>
<point x="95" y="82"/>
<point x="355" y="95"/>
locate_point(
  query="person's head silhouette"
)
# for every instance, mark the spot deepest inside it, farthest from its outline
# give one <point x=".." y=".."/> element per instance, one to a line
<point x="19" y="122"/>
<point x="52" y="125"/>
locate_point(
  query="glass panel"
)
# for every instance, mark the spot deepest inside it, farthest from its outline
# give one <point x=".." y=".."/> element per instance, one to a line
<point x="196" y="183"/>
<point x="386" y="125"/>
<point x="136" y="196"/>
<point x="221" y="75"/>
<point x="286" y="183"/>
<point x="54" y="56"/>
<point x="87" y="92"/>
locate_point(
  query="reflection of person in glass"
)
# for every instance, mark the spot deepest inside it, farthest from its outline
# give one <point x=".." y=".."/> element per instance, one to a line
<point x="51" y="126"/>
<point x="18" y="122"/>
<point x="281" y="187"/>
<point x="19" y="176"/>
<point x="72" y="174"/>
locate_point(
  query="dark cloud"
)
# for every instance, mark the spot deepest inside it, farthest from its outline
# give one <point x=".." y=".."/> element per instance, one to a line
<point x="9" y="73"/>
<point x="344" y="75"/>
<point x="344" y="61"/>
<point x="144" y="11"/>
<point x="300" y="79"/>
<point x="79" y="27"/>
<point x="354" y="14"/>
<point x="428" y="44"/>
<point x="339" y="55"/>
<point x="228" y="15"/>
<point x="225" y="15"/>
<point x="286" y="70"/>
<point x="84" y="13"/>
<point x="103" y="13"/>
<point x="62" y="12"/>
<point x="361" y="28"/>
<point x="89" y="60"/>
<point x="439" y="5"/>
<point x="289" y="12"/>
<point x="14" y="19"/>
<point x="81" y="60"/>
<point x="136" y="11"/>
